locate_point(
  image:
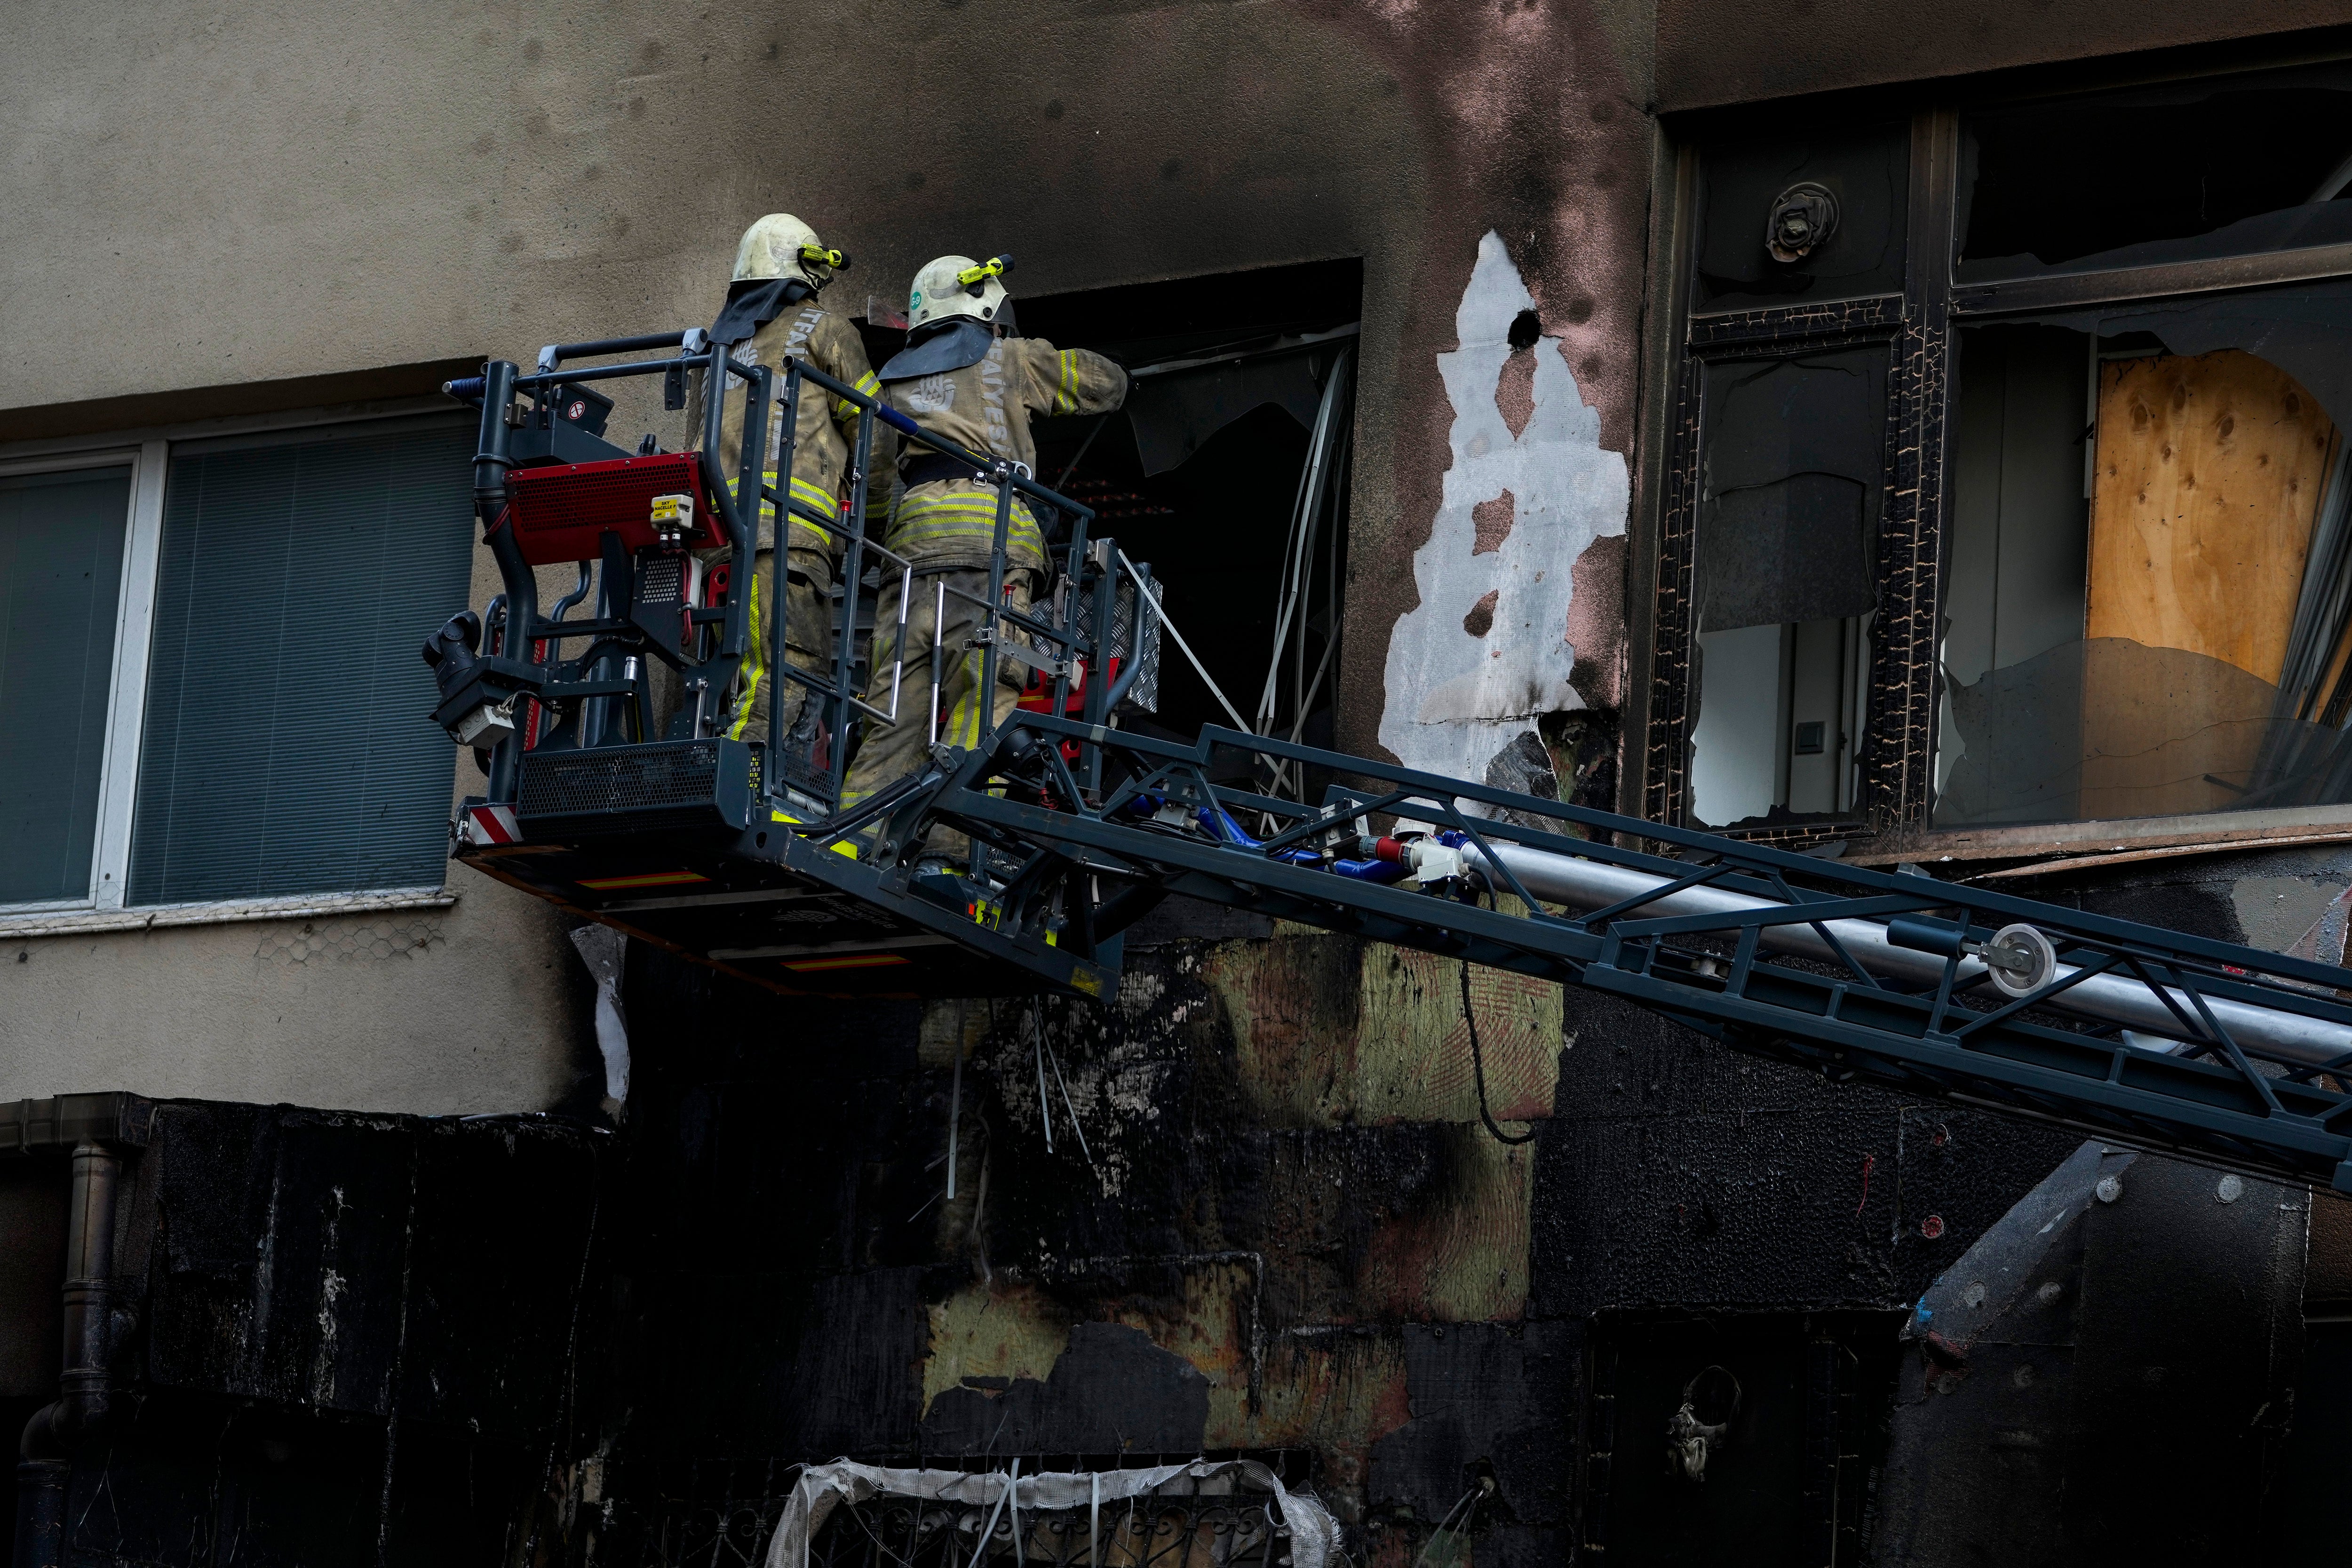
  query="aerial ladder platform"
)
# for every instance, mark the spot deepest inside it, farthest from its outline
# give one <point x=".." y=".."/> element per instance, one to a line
<point x="745" y="852"/>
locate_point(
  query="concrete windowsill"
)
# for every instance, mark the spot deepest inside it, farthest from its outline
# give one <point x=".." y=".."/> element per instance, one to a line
<point x="90" y="923"/>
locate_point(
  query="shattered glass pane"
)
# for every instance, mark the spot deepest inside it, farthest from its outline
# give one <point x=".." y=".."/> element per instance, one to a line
<point x="2147" y="580"/>
<point x="2225" y="167"/>
<point x="1792" y="475"/>
<point x="1793" y="470"/>
<point x="1865" y="175"/>
<point x="1175" y="414"/>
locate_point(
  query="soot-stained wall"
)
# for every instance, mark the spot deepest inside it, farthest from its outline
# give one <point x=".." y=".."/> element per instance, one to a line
<point x="1268" y="1230"/>
<point x="1268" y="1220"/>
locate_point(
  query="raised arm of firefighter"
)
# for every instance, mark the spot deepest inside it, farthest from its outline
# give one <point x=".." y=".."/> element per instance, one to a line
<point x="966" y="377"/>
<point x="772" y="312"/>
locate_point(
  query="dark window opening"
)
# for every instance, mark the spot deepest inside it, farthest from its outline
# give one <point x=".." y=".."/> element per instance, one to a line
<point x="1788" y="220"/>
<point x="2219" y="167"/>
<point x="1205" y="475"/>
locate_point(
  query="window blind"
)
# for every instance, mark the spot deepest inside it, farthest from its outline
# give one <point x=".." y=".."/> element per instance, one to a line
<point x="286" y="748"/>
<point x="61" y="537"/>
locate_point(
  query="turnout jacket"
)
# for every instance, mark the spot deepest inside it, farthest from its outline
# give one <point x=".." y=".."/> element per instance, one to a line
<point x="826" y="425"/>
<point x="948" y="524"/>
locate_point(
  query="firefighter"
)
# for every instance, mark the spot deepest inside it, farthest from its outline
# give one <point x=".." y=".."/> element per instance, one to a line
<point x="967" y="375"/>
<point x="772" y="311"/>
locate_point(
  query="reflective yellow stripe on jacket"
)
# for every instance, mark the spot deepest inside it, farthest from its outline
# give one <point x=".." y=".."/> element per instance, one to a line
<point x="805" y="535"/>
<point x="961" y="518"/>
<point x="1065" y="388"/>
<point x="847" y="412"/>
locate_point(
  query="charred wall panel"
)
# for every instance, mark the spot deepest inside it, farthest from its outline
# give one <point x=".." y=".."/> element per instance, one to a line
<point x="33" y="1194"/>
<point x="358" y="1341"/>
<point x="771" y="1269"/>
<point x="1493" y="1400"/>
<point x="308" y="1258"/>
<point x="2133" y="1307"/>
<point x="1680" y="1173"/>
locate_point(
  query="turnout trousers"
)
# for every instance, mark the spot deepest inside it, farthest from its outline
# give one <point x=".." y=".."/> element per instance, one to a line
<point x="937" y="645"/>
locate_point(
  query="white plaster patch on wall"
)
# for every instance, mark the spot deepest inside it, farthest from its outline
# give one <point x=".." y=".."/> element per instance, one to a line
<point x="1453" y="697"/>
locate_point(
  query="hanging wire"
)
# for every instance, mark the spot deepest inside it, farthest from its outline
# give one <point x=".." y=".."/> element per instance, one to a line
<point x="1298" y="544"/>
<point x="1320" y="482"/>
<point x="1478" y="1069"/>
<point x="1063" y="1085"/>
<point x="955" y="1107"/>
<point x="1044" y="1107"/>
<point x="1478" y="1065"/>
<point x="1144" y="597"/>
<point x="1432" y="1556"/>
<point x="989" y="1529"/>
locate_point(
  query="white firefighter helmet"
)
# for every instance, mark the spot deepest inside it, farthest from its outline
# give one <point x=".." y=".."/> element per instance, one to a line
<point x="958" y="286"/>
<point x="782" y="246"/>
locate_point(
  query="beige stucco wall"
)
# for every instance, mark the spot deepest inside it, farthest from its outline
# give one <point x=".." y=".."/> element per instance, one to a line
<point x="428" y="1011"/>
<point x="292" y="189"/>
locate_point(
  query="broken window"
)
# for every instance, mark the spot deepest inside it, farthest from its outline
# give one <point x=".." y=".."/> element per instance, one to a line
<point x="2132" y="482"/>
<point x="1789" y="220"/>
<point x="2148" y="599"/>
<point x="2224" y="166"/>
<point x="1792" y="483"/>
<point x="1227" y="471"/>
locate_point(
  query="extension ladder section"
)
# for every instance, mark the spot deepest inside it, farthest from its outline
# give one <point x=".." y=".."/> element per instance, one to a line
<point x="2120" y="1031"/>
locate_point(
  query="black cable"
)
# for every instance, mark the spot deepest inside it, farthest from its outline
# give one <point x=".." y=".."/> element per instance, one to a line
<point x="1479" y="1068"/>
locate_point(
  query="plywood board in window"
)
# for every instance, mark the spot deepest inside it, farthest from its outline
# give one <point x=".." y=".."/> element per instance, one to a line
<point x="2209" y="469"/>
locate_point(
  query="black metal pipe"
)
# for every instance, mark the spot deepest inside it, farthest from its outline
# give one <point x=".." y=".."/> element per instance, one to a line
<point x="491" y="464"/>
<point x="83" y="1413"/>
<point x="615" y="589"/>
<point x="853" y="578"/>
<point x="621" y="371"/>
<point x="554" y="354"/>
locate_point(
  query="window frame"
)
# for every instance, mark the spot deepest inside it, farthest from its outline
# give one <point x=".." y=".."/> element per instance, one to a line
<point x="127" y="676"/>
<point x="1906" y="677"/>
<point x="148" y="452"/>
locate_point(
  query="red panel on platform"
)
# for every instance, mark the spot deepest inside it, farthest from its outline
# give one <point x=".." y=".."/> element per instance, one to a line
<point x="559" y="512"/>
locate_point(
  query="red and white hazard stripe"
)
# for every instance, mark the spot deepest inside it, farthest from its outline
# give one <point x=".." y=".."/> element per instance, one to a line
<point x="490" y="824"/>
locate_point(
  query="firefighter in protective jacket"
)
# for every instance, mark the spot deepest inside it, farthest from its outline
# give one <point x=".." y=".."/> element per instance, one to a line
<point x="771" y="311"/>
<point x="967" y="375"/>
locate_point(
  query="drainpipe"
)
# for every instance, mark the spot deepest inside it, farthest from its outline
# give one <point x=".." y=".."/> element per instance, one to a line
<point x="83" y="1412"/>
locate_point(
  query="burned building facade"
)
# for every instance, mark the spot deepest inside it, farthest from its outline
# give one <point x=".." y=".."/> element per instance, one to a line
<point x="1912" y="438"/>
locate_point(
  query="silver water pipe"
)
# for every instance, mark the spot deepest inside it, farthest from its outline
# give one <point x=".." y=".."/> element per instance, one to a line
<point x="2024" y="960"/>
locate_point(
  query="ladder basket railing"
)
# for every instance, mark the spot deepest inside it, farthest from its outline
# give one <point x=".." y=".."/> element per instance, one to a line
<point x="533" y="453"/>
